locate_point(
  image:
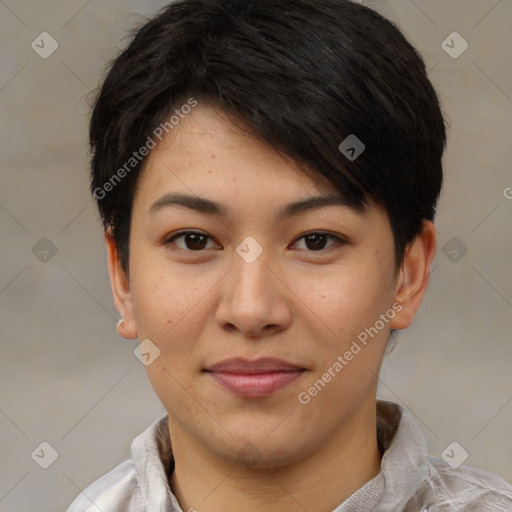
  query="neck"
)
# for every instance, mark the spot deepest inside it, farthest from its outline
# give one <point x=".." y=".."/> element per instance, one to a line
<point x="321" y="482"/>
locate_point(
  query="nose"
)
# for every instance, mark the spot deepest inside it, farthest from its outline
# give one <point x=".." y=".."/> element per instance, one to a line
<point x="254" y="301"/>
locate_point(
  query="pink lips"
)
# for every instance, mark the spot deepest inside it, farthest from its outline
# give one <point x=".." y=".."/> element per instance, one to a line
<point x="254" y="379"/>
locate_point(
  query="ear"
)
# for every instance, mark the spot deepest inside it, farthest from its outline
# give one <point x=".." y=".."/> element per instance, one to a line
<point x="414" y="275"/>
<point x="120" y="290"/>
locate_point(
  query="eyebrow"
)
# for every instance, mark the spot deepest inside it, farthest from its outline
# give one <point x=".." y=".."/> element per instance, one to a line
<point x="210" y="207"/>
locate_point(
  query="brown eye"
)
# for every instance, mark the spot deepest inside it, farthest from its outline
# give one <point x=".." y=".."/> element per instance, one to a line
<point x="191" y="241"/>
<point x="317" y="241"/>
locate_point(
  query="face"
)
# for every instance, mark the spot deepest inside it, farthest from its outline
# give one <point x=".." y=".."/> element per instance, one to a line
<point x="245" y="282"/>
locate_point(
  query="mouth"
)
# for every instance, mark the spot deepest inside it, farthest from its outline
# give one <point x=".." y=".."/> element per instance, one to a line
<point x="254" y="379"/>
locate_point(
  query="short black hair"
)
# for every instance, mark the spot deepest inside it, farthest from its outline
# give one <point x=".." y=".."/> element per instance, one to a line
<point x="300" y="75"/>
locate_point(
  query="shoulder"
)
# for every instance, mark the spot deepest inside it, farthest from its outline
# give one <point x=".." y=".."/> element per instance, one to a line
<point x="467" y="489"/>
<point x="116" y="491"/>
<point x="137" y="485"/>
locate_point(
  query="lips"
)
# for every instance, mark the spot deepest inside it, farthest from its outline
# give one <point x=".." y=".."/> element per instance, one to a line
<point x="262" y="365"/>
<point x="254" y="379"/>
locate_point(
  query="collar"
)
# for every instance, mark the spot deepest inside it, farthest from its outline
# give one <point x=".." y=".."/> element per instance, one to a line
<point x="404" y="465"/>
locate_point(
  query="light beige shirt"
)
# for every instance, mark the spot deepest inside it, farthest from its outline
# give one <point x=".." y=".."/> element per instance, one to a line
<point x="409" y="480"/>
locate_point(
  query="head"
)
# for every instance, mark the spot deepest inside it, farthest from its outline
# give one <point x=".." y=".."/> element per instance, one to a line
<point x="254" y="105"/>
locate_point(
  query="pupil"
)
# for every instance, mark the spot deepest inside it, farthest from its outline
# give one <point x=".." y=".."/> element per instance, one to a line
<point x="317" y="244"/>
<point x="193" y="242"/>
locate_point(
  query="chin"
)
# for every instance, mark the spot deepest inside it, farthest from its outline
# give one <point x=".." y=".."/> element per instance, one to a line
<point x="249" y="458"/>
<point x="259" y="452"/>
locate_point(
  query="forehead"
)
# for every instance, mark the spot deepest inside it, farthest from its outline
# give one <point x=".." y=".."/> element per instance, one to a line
<point x="208" y="152"/>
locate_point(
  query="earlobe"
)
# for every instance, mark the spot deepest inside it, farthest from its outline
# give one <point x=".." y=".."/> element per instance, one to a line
<point x="122" y="330"/>
<point x="121" y="292"/>
<point x="414" y="275"/>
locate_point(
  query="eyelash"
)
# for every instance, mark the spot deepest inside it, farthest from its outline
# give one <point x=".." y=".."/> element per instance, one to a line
<point x="339" y="241"/>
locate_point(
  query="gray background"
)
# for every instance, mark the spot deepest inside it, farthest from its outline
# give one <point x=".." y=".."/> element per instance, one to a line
<point x="68" y="379"/>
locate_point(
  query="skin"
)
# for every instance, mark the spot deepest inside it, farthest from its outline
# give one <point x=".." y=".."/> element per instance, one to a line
<point x="293" y="302"/>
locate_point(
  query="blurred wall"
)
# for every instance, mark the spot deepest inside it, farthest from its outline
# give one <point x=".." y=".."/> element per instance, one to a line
<point x="67" y="379"/>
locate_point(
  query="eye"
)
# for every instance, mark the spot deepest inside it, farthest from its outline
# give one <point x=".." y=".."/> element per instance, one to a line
<point x="316" y="240"/>
<point x="192" y="241"/>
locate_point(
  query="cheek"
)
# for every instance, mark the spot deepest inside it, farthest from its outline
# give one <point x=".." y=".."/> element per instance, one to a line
<point x="345" y="299"/>
<point x="169" y="311"/>
<point x="162" y="299"/>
